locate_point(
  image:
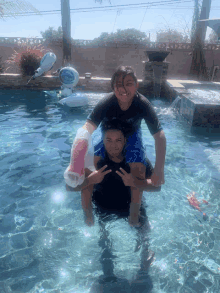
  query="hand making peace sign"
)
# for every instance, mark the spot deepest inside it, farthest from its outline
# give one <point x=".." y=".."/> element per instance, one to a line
<point x="127" y="178"/>
<point x="98" y="175"/>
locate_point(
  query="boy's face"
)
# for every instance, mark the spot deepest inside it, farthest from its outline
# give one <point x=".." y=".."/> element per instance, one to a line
<point x="114" y="142"/>
<point x="125" y="93"/>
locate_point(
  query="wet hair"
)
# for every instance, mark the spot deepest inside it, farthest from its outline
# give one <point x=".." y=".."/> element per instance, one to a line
<point x="117" y="124"/>
<point x="124" y="71"/>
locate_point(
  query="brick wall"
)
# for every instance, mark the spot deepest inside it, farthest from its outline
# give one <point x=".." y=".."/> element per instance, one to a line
<point x="102" y="61"/>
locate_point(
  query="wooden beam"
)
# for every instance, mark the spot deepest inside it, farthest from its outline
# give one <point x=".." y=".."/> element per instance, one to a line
<point x="205" y="11"/>
<point x="66" y="27"/>
<point x="198" y="68"/>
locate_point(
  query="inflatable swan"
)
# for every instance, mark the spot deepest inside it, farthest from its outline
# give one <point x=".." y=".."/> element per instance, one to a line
<point x="69" y="78"/>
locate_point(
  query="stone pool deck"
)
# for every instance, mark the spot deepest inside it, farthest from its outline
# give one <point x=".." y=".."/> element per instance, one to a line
<point x="197" y="102"/>
<point x="50" y="82"/>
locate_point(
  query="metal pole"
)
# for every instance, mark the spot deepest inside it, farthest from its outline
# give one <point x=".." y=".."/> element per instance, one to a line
<point x="66" y="26"/>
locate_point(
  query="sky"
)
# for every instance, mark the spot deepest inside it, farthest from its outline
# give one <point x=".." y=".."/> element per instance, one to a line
<point x="89" y="25"/>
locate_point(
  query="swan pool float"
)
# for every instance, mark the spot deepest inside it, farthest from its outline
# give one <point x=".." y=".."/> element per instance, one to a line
<point x="69" y="78"/>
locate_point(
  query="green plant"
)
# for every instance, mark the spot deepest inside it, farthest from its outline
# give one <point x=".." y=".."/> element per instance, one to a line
<point x="52" y="34"/>
<point x="27" y="58"/>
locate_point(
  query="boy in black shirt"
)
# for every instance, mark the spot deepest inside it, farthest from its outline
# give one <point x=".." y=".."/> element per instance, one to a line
<point x="112" y="188"/>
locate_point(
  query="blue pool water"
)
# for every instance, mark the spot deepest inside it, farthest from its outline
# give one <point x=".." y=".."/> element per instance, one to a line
<point x="45" y="245"/>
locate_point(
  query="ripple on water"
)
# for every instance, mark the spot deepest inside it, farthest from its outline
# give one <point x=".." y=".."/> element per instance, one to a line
<point x="18" y="241"/>
<point x="186" y="257"/>
<point x="17" y="259"/>
<point x="7" y="224"/>
<point x="4" y="245"/>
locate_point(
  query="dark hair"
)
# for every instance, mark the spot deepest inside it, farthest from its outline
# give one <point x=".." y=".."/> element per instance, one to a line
<point x="117" y="124"/>
<point x="124" y="71"/>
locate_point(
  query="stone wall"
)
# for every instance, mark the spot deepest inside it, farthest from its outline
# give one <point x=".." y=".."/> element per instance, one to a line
<point x="102" y="60"/>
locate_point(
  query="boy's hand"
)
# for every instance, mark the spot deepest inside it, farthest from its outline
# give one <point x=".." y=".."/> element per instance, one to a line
<point x="98" y="175"/>
<point x="127" y="178"/>
<point x="157" y="178"/>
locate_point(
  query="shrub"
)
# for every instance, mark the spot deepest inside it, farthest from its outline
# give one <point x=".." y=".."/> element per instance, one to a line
<point x="27" y="58"/>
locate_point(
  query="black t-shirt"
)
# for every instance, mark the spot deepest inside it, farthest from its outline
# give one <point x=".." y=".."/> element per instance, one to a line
<point x="111" y="194"/>
<point x="140" y="108"/>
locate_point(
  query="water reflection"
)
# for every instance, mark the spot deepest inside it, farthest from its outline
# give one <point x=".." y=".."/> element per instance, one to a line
<point x="58" y="197"/>
<point x="39" y="104"/>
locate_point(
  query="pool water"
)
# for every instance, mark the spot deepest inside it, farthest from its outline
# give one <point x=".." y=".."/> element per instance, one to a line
<point x="45" y="245"/>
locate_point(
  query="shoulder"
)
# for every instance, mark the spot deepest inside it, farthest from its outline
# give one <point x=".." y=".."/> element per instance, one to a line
<point x="142" y="100"/>
<point x="108" y="98"/>
<point x="104" y="107"/>
<point x="105" y="103"/>
<point x="145" y="105"/>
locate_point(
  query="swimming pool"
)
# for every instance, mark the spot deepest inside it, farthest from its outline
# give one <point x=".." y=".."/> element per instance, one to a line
<point x="44" y="243"/>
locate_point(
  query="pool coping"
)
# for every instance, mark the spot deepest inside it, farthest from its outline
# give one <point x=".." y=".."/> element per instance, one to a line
<point x="198" y="110"/>
<point x="50" y="82"/>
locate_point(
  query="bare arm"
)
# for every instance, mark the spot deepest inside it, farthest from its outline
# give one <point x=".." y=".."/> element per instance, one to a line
<point x="129" y="179"/>
<point x="86" y="200"/>
<point x="160" y="148"/>
<point x="157" y="177"/>
<point x="146" y="185"/>
<point x="138" y="171"/>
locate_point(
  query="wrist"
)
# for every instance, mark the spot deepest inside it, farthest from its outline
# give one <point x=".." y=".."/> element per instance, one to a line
<point x="134" y="188"/>
<point x="87" y="182"/>
<point x="90" y="180"/>
<point x="159" y="168"/>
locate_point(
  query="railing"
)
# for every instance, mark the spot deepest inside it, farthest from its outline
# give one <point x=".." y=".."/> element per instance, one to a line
<point x="114" y="44"/>
<point x="167" y="46"/>
<point x="14" y="40"/>
<point x="82" y="42"/>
